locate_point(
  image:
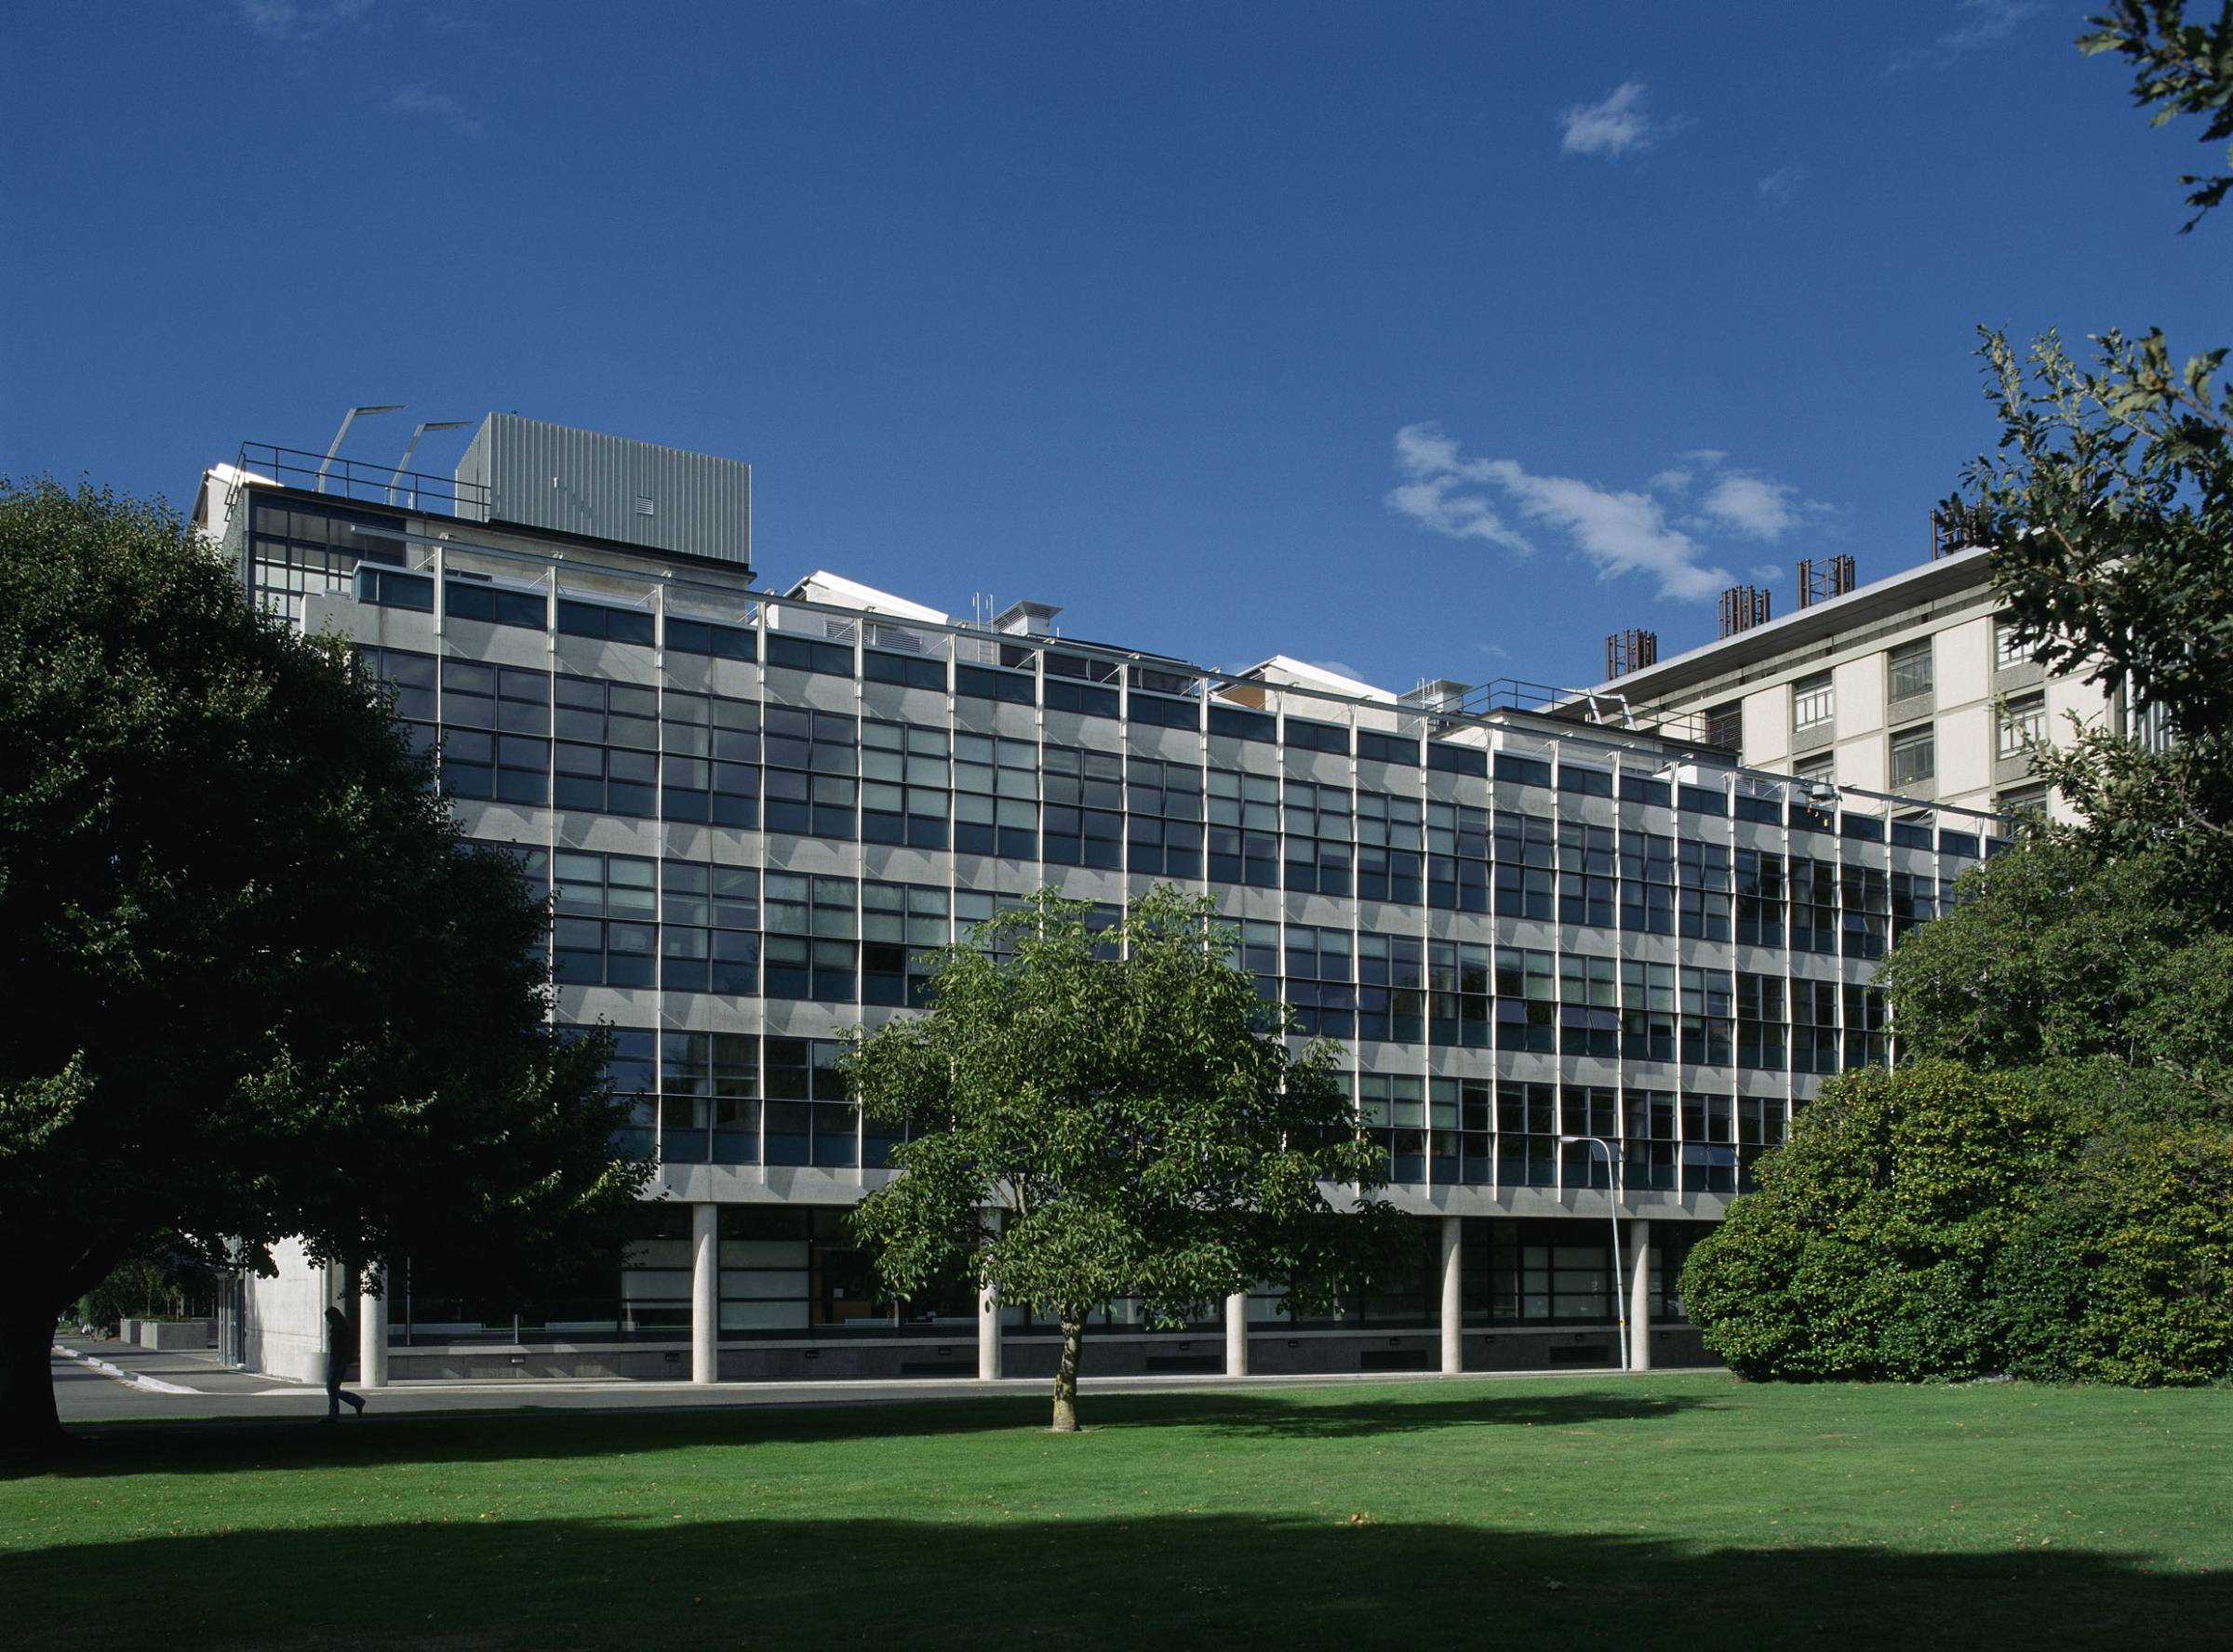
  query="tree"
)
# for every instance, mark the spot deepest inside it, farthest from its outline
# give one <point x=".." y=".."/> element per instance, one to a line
<point x="1129" y="1106"/>
<point x="2178" y="68"/>
<point x="259" y="984"/>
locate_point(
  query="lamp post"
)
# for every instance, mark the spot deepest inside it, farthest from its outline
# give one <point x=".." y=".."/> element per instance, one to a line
<point x="1613" y="1209"/>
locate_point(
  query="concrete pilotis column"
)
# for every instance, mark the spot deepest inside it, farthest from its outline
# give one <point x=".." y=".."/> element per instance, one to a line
<point x="1453" y="1296"/>
<point x="1236" y="1333"/>
<point x="373" y="1337"/>
<point x="988" y="1318"/>
<point x="705" y="1293"/>
<point x="1639" y="1296"/>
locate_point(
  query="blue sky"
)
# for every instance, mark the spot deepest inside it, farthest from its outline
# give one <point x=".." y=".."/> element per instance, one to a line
<point x="1428" y="340"/>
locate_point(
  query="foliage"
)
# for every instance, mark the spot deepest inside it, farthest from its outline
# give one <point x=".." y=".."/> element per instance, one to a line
<point x="1865" y="1251"/>
<point x="1129" y="1106"/>
<point x="2179" y="68"/>
<point x="259" y="984"/>
<point x="148" y="1288"/>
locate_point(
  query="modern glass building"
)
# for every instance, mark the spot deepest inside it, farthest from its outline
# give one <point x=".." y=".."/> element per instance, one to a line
<point x="1585" y="974"/>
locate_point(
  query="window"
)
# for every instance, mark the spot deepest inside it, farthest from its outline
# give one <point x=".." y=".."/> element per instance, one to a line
<point x="1244" y="829"/>
<point x="1759" y="898"/>
<point x="2021" y="800"/>
<point x="606" y="757"/>
<point x="1320" y="981"/>
<point x="1813" y="906"/>
<point x="709" y="929"/>
<point x="1725" y="727"/>
<point x="1391" y="973"/>
<point x="905" y="785"/>
<point x="1702" y="899"/>
<point x="496" y="725"/>
<point x="1867" y="911"/>
<point x="901" y="926"/>
<point x="810" y="1120"/>
<point x="605" y="929"/>
<point x="812" y="943"/>
<point x="1259" y="954"/>
<point x="813" y="759"/>
<point x="1761" y="1126"/>
<point x="1647" y="1010"/>
<point x="2008" y="648"/>
<point x="1457" y="856"/>
<point x="604" y="619"/>
<point x="2023" y="723"/>
<point x="1907" y="670"/>
<point x="1527" y="1000"/>
<point x="709" y="1108"/>
<point x="1388" y="838"/>
<point x="1866" y="1043"/>
<point x="1459" y="1114"/>
<point x="1392" y="1108"/>
<point x="1589" y="1012"/>
<point x="1914" y="755"/>
<point x="709" y="767"/>
<point x="1913" y="901"/>
<point x="1164" y="834"/>
<point x="1527" y="859"/>
<point x="810" y="654"/>
<point x="1527" y="1135"/>
<point x="709" y="637"/>
<point x="1647" y="882"/>
<point x="1588" y="862"/>
<point x="1457" y="1004"/>
<point x="1648" y="1152"/>
<point x="1813" y="1026"/>
<point x="1708" y="1004"/>
<point x="1084" y="817"/>
<point x="1589" y="1110"/>
<point x="1071" y="682"/>
<point x="1321" y="830"/>
<point x="1762" y="1032"/>
<point x="1813" y="703"/>
<point x="1709" y="1154"/>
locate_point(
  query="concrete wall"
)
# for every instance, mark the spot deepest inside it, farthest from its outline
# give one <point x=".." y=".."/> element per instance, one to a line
<point x="283" y="1320"/>
<point x="168" y="1333"/>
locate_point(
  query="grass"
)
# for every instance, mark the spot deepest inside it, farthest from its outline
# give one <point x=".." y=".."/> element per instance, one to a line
<point x="1683" y="1511"/>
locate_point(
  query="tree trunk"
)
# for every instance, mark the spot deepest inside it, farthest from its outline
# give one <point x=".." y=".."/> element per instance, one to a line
<point x="1065" y="1375"/>
<point x="28" y="1426"/>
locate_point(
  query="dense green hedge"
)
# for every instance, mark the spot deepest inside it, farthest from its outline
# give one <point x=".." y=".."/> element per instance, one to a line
<point x="1939" y="1222"/>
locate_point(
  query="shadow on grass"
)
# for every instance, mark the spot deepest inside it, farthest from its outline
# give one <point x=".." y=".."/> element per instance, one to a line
<point x="224" y="1447"/>
<point x="1181" y="1579"/>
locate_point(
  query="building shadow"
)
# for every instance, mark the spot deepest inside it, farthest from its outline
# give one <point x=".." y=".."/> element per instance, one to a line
<point x="527" y="1434"/>
<point x="464" y="1578"/>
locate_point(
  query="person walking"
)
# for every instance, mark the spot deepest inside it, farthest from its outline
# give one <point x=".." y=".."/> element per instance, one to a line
<point x="337" y="1359"/>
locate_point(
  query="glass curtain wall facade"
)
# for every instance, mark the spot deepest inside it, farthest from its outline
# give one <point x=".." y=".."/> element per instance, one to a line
<point x="754" y="817"/>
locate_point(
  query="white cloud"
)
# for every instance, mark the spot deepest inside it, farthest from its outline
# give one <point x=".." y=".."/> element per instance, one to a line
<point x="1780" y="185"/>
<point x="1675" y="480"/>
<point x="1618" y="532"/>
<point x="1614" y="126"/>
<point x="1765" y="573"/>
<point x="1496" y="651"/>
<point x="423" y="102"/>
<point x="1751" y="505"/>
<point x="1986" y="23"/>
<point x="300" y="19"/>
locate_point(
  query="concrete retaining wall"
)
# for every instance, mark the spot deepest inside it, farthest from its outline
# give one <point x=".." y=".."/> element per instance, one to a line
<point x="168" y="1333"/>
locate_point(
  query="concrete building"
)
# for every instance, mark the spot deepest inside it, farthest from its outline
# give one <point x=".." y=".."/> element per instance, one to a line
<point x="1911" y="685"/>
<point x="1548" y="942"/>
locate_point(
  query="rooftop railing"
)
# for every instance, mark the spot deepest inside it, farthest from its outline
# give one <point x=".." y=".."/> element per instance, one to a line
<point x="346" y="478"/>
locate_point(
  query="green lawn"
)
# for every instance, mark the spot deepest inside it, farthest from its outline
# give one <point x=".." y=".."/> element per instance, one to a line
<point x="1683" y="1511"/>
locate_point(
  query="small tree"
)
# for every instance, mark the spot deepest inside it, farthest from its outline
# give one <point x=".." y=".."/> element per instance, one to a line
<point x="1131" y="1109"/>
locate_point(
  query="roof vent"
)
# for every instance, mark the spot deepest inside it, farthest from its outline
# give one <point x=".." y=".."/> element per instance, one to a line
<point x="1026" y="618"/>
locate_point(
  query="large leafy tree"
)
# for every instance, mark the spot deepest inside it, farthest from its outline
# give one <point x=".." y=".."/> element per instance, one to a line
<point x="257" y="983"/>
<point x="1131" y="1110"/>
<point x="2178" y="68"/>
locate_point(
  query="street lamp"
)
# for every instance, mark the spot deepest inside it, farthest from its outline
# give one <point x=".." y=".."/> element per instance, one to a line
<point x="1613" y="1209"/>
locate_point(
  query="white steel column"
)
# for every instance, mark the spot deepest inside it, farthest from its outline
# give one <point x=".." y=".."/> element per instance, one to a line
<point x="373" y="1337"/>
<point x="705" y="1293"/>
<point x="1639" y="1296"/>
<point x="988" y="1317"/>
<point x="1453" y="1296"/>
<point x="1236" y="1333"/>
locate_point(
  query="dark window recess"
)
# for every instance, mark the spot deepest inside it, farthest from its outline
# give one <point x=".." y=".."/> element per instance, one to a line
<point x="979" y="682"/>
<point x="909" y="670"/>
<point x="387" y="588"/>
<point x="477" y="599"/>
<point x="1164" y="712"/>
<point x="1957" y="843"/>
<point x="1703" y="800"/>
<point x="1635" y="788"/>
<point x="1465" y="760"/>
<point x="1239" y="725"/>
<point x="1083" y="698"/>
<point x="1764" y="809"/>
<point x="703" y="637"/>
<point x="1388" y="748"/>
<point x="1803" y="817"/>
<point x="1585" y="782"/>
<point x="599" y="620"/>
<point x="809" y="654"/>
<point x="1910" y="834"/>
<point x="1866" y="828"/>
<point x="1307" y="736"/>
<point x="1523" y="771"/>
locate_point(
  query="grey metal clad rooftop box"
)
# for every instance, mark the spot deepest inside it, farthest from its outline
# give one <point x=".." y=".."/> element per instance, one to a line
<point x="533" y="474"/>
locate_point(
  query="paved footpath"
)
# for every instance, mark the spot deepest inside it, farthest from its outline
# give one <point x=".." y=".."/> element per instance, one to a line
<point x="101" y="1381"/>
